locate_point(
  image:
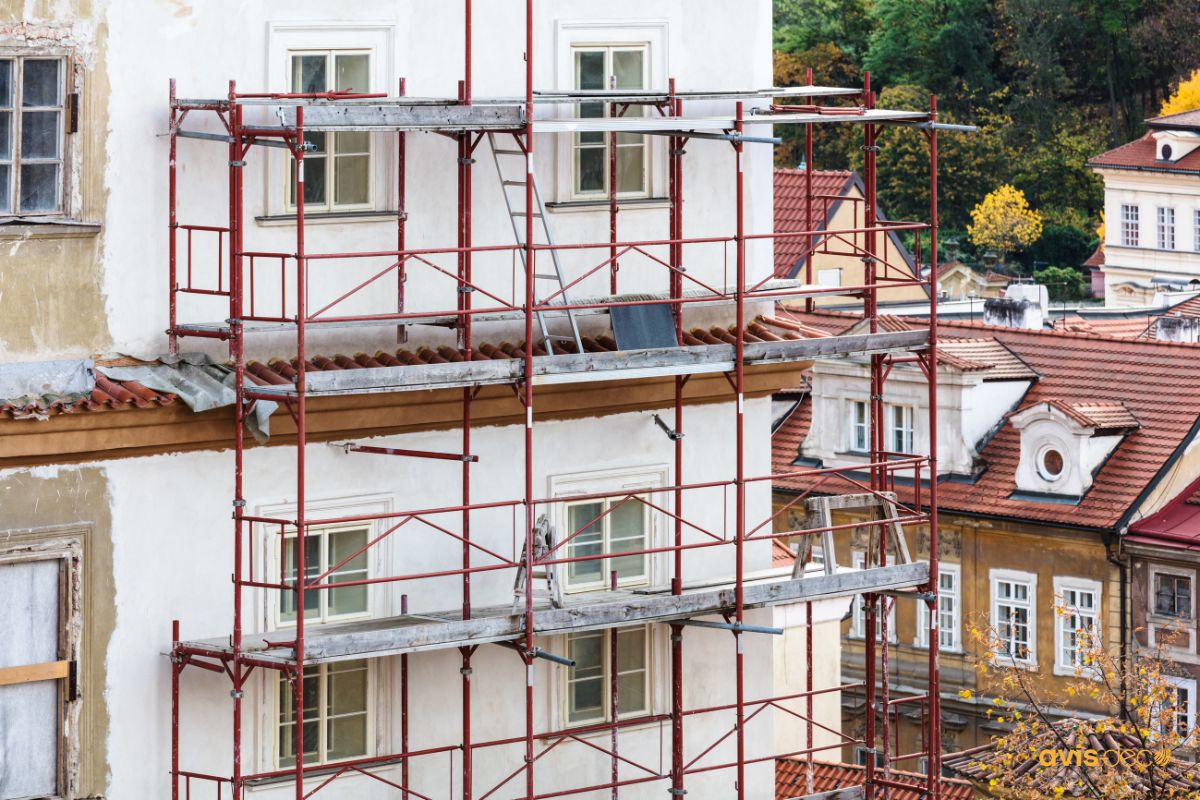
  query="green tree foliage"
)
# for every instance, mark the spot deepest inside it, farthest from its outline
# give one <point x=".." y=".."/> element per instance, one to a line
<point x="1063" y="284"/>
<point x="1064" y="245"/>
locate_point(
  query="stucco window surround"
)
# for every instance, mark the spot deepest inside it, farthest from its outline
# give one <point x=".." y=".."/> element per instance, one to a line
<point x="264" y="693"/>
<point x="1078" y="607"/>
<point x="1182" y="629"/>
<point x="1058" y="454"/>
<point x="1014" y="615"/>
<point x="377" y="41"/>
<point x="570" y="36"/>
<point x="949" y="613"/>
<point x="52" y="559"/>
<point x="608" y="481"/>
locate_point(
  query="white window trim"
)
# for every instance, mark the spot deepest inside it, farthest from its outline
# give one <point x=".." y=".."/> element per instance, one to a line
<point x="1196" y="230"/>
<point x="1190" y="685"/>
<point x="837" y="275"/>
<point x="1062" y="583"/>
<point x="613" y="480"/>
<point x="854" y="427"/>
<point x="922" y="637"/>
<point x="994" y="577"/>
<point x="569" y="34"/>
<point x="909" y="430"/>
<point x="858" y="617"/>
<point x="1130" y="225"/>
<point x="313" y="539"/>
<point x="377" y="36"/>
<point x="375" y="712"/>
<point x="1166" y="227"/>
<point x="1155" y="621"/>
<point x="609" y="48"/>
<point x="657" y="689"/>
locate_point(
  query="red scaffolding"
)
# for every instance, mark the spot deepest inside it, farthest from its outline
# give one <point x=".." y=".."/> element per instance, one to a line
<point x="549" y="359"/>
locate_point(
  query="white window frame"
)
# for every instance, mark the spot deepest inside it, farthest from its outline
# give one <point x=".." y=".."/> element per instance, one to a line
<point x="570" y="34"/>
<point x="945" y="569"/>
<point x="1196" y="230"/>
<point x="68" y="550"/>
<point x="65" y="155"/>
<point x="386" y="64"/>
<point x="330" y="206"/>
<point x="373" y="668"/>
<point x="858" y="618"/>
<point x="859" y="426"/>
<point x="649" y="478"/>
<point x="1062" y="585"/>
<point x="907" y="428"/>
<point x="576" y="147"/>
<point x="996" y="576"/>
<point x="319" y="537"/>
<point x="606" y="678"/>
<point x="1166" y="228"/>
<point x="1189" y="684"/>
<point x="1154" y="621"/>
<point x="1130" y="225"/>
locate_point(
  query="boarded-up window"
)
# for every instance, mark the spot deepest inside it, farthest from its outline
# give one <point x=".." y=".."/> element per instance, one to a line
<point x="31" y="677"/>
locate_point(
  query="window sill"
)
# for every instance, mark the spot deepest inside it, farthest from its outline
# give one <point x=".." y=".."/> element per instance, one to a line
<point x="318" y="771"/>
<point x="641" y="203"/>
<point x="587" y="730"/>
<point x="1089" y="673"/>
<point x="13" y="228"/>
<point x="326" y="218"/>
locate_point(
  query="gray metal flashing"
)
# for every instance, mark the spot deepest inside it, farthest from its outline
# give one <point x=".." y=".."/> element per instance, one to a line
<point x="36" y="379"/>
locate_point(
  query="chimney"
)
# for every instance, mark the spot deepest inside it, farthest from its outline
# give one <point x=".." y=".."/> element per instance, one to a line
<point x="1176" y="328"/>
<point x="1024" y="305"/>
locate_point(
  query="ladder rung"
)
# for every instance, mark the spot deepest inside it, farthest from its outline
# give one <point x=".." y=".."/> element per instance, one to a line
<point x="545" y="276"/>
<point x="513" y="183"/>
<point x="522" y="213"/>
<point x="509" y="152"/>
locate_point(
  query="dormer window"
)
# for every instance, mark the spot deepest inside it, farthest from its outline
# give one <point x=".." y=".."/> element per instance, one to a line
<point x="1172" y="145"/>
<point x="1063" y="444"/>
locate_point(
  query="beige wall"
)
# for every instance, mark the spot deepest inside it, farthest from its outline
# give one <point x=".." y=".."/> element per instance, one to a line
<point x="51" y="275"/>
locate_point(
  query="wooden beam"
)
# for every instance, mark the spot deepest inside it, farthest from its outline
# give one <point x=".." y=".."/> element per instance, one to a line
<point x="32" y="673"/>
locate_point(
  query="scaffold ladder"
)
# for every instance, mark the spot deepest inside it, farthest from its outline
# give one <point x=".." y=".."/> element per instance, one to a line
<point x="516" y="215"/>
<point x="882" y="508"/>
<point x="543" y="542"/>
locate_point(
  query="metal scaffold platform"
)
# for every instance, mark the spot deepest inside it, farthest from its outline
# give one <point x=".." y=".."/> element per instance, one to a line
<point x="546" y="303"/>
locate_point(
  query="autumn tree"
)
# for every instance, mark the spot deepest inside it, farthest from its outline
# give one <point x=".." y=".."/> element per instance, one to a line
<point x="1004" y="222"/>
<point x="1135" y="753"/>
<point x="1186" y="97"/>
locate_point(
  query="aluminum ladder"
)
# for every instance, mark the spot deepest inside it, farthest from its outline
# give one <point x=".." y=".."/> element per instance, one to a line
<point x="516" y="214"/>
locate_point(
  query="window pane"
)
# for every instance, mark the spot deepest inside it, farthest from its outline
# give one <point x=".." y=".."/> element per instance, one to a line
<point x="627" y="531"/>
<point x="589" y="70"/>
<point x="309" y="74"/>
<point x="353" y="72"/>
<point x="5" y="188"/>
<point x="39" y="187"/>
<point x="585" y="687"/>
<point x="312" y="714"/>
<point x="631" y="649"/>
<point x="353" y="599"/>
<point x="352" y="185"/>
<point x="314" y="181"/>
<point x="39" y="134"/>
<point x="347" y="737"/>
<point x="588" y="543"/>
<point x="347" y="692"/>
<point x="40" y="84"/>
<point x="631" y="169"/>
<point x="631" y="692"/>
<point x="627" y="69"/>
<point x="591" y="169"/>
<point x="6" y="69"/>
<point x="352" y="143"/>
<point x="6" y="119"/>
<point x="312" y="557"/>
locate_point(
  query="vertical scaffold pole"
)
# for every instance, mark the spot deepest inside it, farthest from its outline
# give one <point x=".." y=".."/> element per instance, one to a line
<point x="172" y="227"/>
<point x="808" y="239"/>
<point x="530" y="270"/>
<point x="401" y="215"/>
<point x="740" y="505"/>
<point x="465" y="344"/>
<point x="175" y="668"/>
<point x="301" y="433"/>
<point x="870" y="310"/>
<point x="934" y="737"/>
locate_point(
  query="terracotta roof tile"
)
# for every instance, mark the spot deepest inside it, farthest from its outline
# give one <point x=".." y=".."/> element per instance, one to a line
<point x="988" y="355"/>
<point x="791" y="209"/>
<point x="1141" y="154"/>
<point x="791" y="780"/>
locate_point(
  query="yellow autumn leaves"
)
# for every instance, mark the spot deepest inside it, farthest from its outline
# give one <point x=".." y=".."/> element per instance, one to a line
<point x="1003" y="221"/>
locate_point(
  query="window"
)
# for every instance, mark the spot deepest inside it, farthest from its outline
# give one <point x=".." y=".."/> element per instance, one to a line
<point x="1172" y="595"/>
<point x="338" y="170"/>
<point x="589" y="683"/>
<point x="1196" y="230"/>
<point x="861" y="754"/>
<point x="900" y="428"/>
<point x="1166" y="228"/>
<point x="1013" y="614"/>
<point x="40" y="621"/>
<point x="858" y="619"/>
<point x="1050" y="463"/>
<point x="325" y="550"/>
<point x="609" y="68"/>
<point x="32" y="135"/>
<point x="1129" y="226"/>
<point x="1182" y="702"/>
<point x="858" y="427"/>
<point x="610" y="526"/>
<point x="829" y="277"/>
<point x="1077" y="623"/>
<point x="949" y="636"/>
<point x="336" y="714"/>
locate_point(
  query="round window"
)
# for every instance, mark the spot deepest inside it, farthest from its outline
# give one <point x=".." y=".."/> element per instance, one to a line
<point x="1050" y="463"/>
<point x="1166" y="152"/>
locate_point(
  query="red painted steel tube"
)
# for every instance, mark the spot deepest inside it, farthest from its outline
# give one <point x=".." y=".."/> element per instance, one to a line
<point x="870" y="311"/>
<point x="740" y="506"/>
<point x="530" y="271"/>
<point x="301" y="438"/>
<point x="404" y="768"/>
<point x="401" y="213"/>
<point x="172" y="224"/>
<point x="808" y="250"/>
<point x="935" y="712"/>
<point x="175" y="667"/>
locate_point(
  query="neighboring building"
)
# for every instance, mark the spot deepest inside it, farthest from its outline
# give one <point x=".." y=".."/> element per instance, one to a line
<point x="1051" y="444"/>
<point x="838" y="203"/>
<point x="791" y="781"/>
<point x="1152" y="209"/>
<point x="957" y="281"/>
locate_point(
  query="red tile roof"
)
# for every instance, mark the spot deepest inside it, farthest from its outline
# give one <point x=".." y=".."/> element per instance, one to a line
<point x="791" y="209"/>
<point x="1141" y="154"/>
<point x="1096" y="259"/>
<point x="791" y="780"/>
<point x="1189" y="119"/>
<point x="1157" y="382"/>
<point x="123" y="395"/>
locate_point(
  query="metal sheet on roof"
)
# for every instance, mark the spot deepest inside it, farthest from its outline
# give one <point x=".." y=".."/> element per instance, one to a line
<point x="637" y="327"/>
